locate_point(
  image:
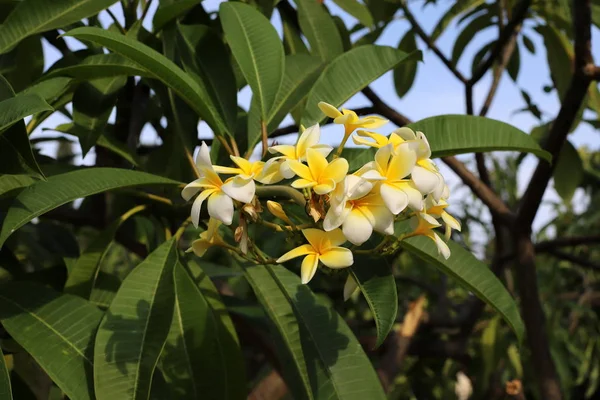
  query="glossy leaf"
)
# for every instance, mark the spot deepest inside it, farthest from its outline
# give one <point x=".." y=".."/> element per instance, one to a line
<point x="301" y="72"/>
<point x="292" y="39"/>
<point x="469" y="272"/>
<point x="5" y="387"/>
<point x="100" y="66"/>
<point x="405" y="73"/>
<point x="459" y="7"/>
<point x="337" y="367"/>
<point x="348" y="74"/>
<point x="560" y="55"/>
<point x="167" y="13"/>
<point x="33" y="16"/>
<point x="320" y="30"/>
<point x="465" y="37"/>
<point x="83" y="274"/>
<point x="8" y="183"/>
<point x="198" y="335"/>
<point x="56" y="329"/>
<point x="568" y="173"/>
<point x="159" y="67"/>
<point x="24" y="64"/>
<point x="458" y="134"/>
<point x="42" y="197"/>
<point x="357" y="10"/>
<point x="257" y="49"/>
<point x="134" y="330"/>
<point x="514" y="64"/>
<point x="16" y="108"/>
<point x="377" y="285"/>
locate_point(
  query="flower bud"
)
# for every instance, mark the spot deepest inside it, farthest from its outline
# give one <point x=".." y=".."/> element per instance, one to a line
<point x="277" y="210"/>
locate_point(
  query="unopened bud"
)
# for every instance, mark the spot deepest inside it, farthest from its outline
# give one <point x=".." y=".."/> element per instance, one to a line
<point x="250" y="210"/>
<point x="239" y="232"/>
<point x="350" y="287"/>
<point x="277" y="210"/>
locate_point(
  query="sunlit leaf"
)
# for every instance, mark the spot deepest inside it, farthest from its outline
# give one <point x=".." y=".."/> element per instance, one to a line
<point x="319" y="29"/>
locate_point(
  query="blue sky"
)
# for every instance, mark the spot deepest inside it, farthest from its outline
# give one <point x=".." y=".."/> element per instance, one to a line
<point x="436" y="91"/>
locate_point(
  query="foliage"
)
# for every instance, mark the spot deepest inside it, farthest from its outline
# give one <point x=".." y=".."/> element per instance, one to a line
<point x="113" y="286"/>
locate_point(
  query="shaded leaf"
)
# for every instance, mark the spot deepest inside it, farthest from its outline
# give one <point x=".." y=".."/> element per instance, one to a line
<point x="5" y="387"/>
<point x="357" y="10"/>
<point x="42" y="197"/>
<point x="465" y="37"/>
<point x="568" y="173"/>
<point x="16" y="108"/>
<point x="320" y="30"/>
<point x="56" y="329"/>
<point x="514" y="64"/>
<point x="459" y="7"/>
<point x="560" y="55"/>
<point x="528" y="44"/>
<point x="8" y="183"/>
<point x="405" y="73"/>
<point x="135" y="328"/>
<point x="166" y="13"/>
<point x="100" y="66"/>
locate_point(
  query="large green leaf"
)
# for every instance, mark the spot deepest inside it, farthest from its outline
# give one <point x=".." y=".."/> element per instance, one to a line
<point x="358" y="10"/>
<point x="559" y="55"/>
<point x="8" y="183"/>
<point x="16" y="108"/>
<point x="569" y="172"/>
<point x="405" y="73"/>
<point x="457" y="134"/>
<point x="24" y="64"/>
<point x="100" y="66"/>
<point x="83" y="274"/>
<point x="167" y="13"/>
<point x="215" y="72"/>
<point x="301" y="72"/>
<point x="377" y="284"/>
<point x="468" y="272"/>
<point x="348" y="74"/>
<point x="201" y="358"/>
<point x="5" y="388"/>
<point x="56" y="329"/>
<point x="60" y="189"/>
<point x="135" y="328"/>
<point x="257" y="50"/>
<point x="459" y="7"/>
<point x="326" y="355"/>
<point x="320" y="30"/>
<point x="159" y="67"/>
<point x="33" y="16"/>
<point x="475" y="26"/>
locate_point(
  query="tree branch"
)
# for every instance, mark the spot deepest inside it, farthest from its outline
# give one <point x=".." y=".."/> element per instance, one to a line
<point x="430" y="43"/>
<point x="574" y="259"/>
<point x="548" y="245"/>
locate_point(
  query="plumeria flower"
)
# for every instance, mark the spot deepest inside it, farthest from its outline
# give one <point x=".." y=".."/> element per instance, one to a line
<point x="350" y="287"/>
<point x="423" y="225"/>
<point x="377" y="140"/>
<point x="220" y="194"/>
<point x="322" y="246"/>
<point x="209" y="238"/>
<point x="437" y="209"/>
<point x="359" y="212"/>
<point x="309" y="139"/>
<point x="350" y="120"/>
<point x="318" y="174"/>
<point x="245" y="169"/>
<point x="397" y="191"/>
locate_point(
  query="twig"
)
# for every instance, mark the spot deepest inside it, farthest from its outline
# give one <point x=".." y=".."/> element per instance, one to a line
<point x="574" y="259"/>
<point x="116" y="21"/>
<point x="430" y="43"/>
<point x="566" y="242"/>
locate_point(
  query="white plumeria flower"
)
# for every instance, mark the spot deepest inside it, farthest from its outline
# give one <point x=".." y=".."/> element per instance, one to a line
<point x="309" y="139"/>
<point x="425" y="174"/>
<point x="394" y="167"/>
<point x="220" y="194"/>
<point x="359" y="211"/>
<point x="438" y="210"/>
<point x="423" y="225"/>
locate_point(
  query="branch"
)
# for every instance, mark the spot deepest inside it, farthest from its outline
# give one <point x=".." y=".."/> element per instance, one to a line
<point x="430" y="43"/>
<point x="548" y="245"/>
<point x="574" y="259"/>
<point x="593" y="72"/>
<point x="509" y="31"/>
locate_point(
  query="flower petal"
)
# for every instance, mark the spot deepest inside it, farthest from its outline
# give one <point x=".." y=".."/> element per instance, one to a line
<point x="451" y="221"/>
<point x="405" y="133"/>
<point x="357" y="228"/>
<point x="442" y="247"/>
<point x="297" y="252"/>
<point x="326" y="187"/>
<point x="242" y="163"/>
<point x="227" y="170"/>
<point x="350" y="287"/>
<point x="373" y="122"/>
<point x="194" y="187"/>
<point x="425" y="180"/>
<point x="315" y="237"/>
<point x="402" y="163"/>
<point x="239" y="189"/>
<point x="309" y="267"/>
<point x="220" y="206"/>
<point x="324" y="149"/>
<point x="300" y="169"/>
<point x="197" y="206"/>
<point x="336" y="170"/>
<point x="308" y="139"/>
<point x="286" y="149"/>
<point x="329" y="110"/>
<point x="357" y="187"/>
<point x="337" y="257"/>
<point x="316" y="163"/>
<point x="336" y="237"/>
<point x="203" y="157"/>
<point x="395" y="199"/>
<point x="303" y="183"/>
<point x="381" y="219"/>
<point x="382" y="158"/>
<point x="200" y="246"/>
<point x="271" y="172"/>
<point x="335" y="217"/>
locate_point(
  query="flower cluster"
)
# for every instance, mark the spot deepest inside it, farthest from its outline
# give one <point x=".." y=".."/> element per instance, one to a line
<point x="400" y="182"/>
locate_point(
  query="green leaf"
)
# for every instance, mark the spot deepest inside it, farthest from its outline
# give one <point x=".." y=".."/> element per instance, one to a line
<point x="458" y="134"/>
<point x="166" y="13"/>
<point x="5" y="387"/>
<point x="405" y="73"/>
<point x="377" y="284"/>
<point x="348" y="74"/>
<point x="33" y="16"/>
<point x="568" y="173"/>
<point x="100" y="66"/>
<point x="42" y="197"/>
<point x="560" y="55"/>
<point x="56" y="329"/>
<point x="16" y="156"/>
<point x="257" y="49"/>
<point x="49" y="89"/>
<point x="478" y="57"/>
<point x="135" y="328"/>
<point x="16" y="108"/>
<point x="215" y="72"/>
<point x="159" y="67"/>
<point x="301" y="72"/>
<point x="528" y="44"/>
<point x="357" y="10"/>
<point x="320" y="30"/>
<point x="24" y="64"/>
<point x="83" y="274"/>
<point x="465" y="37"/>
<point x="8" y="183"/>
<point x="325" y="355"/>
<point x="470" y="273"/>
<point x="514" y="64"/>
<point x="197" y="336"/>
<point x="292" y="39"/>
<point x="459" y="7"/>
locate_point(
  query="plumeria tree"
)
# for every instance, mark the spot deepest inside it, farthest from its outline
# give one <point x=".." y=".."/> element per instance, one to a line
<point x="244" y="254"/>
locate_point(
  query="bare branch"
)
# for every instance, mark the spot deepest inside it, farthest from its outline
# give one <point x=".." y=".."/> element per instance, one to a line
<point x="583" y="262"/>
<point x="568" y="241"/>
